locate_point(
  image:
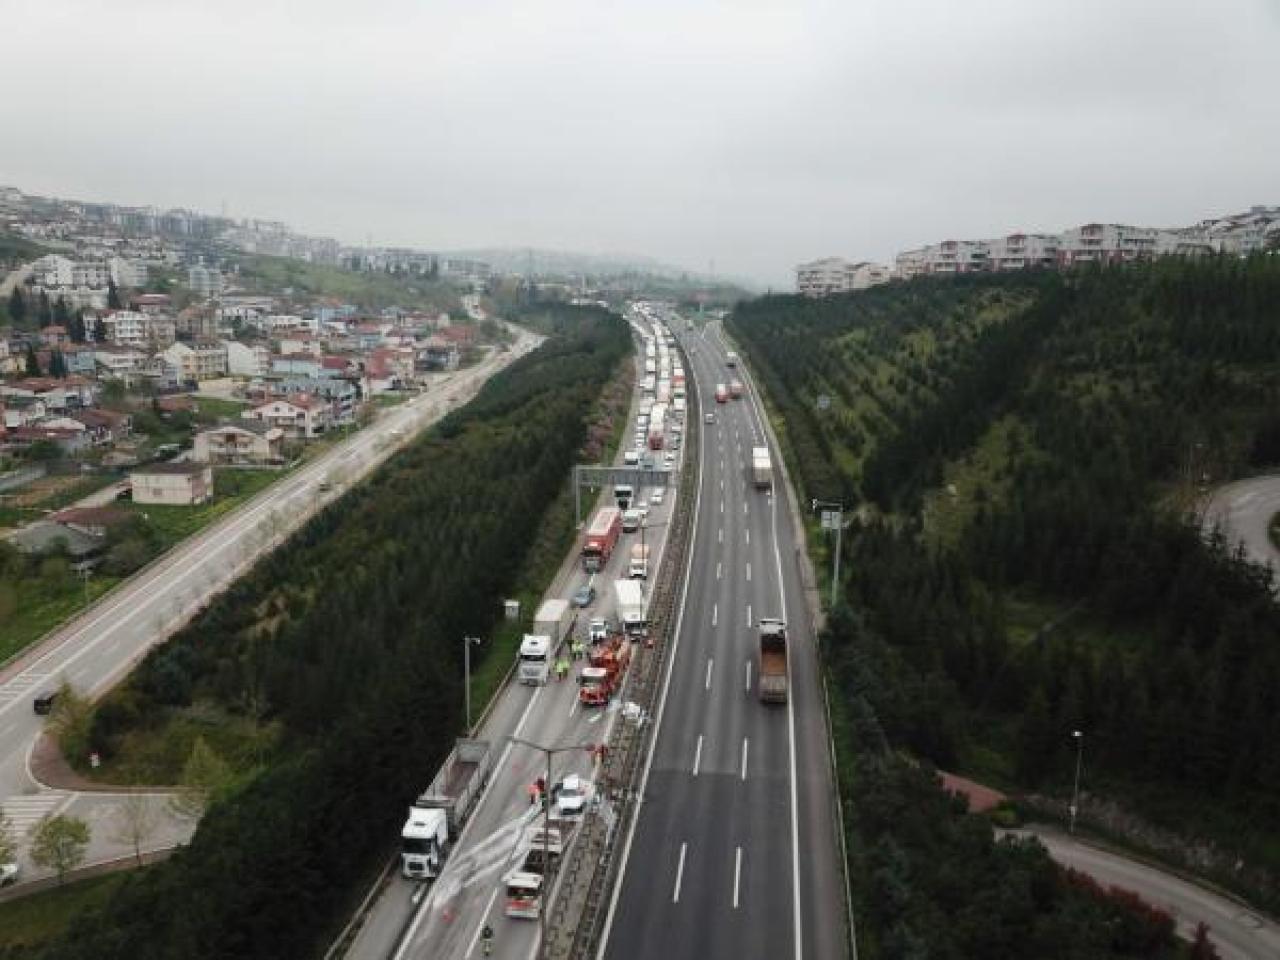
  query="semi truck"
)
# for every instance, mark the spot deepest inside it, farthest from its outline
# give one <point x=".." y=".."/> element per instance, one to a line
<point x="436" y="817"/>
<point x="602" y="537"/>
<point x="535" y="658"/>
<point x="631" y="607"/>
<point x="761" y="467"/>
<point x="639" y="561"/>
<point x="554" y="620"/>
<point x="623" y="494"/>
<point x="773" y="660"/>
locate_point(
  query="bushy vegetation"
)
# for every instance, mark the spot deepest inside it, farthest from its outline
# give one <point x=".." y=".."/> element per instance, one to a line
<point x="1060" y="430"/>
<point x="368" y="290"/>
<point x="347" y="639"/>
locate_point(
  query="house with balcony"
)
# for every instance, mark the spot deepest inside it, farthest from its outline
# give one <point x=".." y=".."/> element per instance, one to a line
<point x="198" y="359"/>
<point x="302" y="416"/>
<point x="243" y="442"/>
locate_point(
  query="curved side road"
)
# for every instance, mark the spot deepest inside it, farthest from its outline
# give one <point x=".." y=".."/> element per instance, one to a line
<point x="1235" y="931"/>
<point x="1242" y="510"/>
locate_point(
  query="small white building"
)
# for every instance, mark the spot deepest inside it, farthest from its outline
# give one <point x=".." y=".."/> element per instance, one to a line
<point x="301" y="416"/>
<point x="247" y="359"/>
<point x="175" y="484"/>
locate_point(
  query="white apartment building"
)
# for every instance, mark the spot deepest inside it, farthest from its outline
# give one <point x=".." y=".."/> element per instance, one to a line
<point x="199" y="359"/>
<point x="277" y="323"/>
<point x="1023" y="251"/>
<point x="821" y="278"/>
<point x="118" y="361"/>
<point x="302" y="416"/>
<point x="1106" y="243"/>
<point x="126" y="328"/>
<point x="247" y="360"/>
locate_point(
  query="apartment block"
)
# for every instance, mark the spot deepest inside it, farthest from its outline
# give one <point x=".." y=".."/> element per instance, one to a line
<point x="821" y="278"/>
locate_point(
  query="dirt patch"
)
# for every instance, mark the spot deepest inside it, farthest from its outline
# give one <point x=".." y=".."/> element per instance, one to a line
<point x="38" y="491"/>
<point x="981" y="799"/>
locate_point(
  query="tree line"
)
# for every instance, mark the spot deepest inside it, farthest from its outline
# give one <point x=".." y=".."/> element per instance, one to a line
<point x="1133" y="389"/>
<point x="348" y="637"/>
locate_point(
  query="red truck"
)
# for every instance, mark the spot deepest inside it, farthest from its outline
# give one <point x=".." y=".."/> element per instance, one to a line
<point x="602" y="537"/>
<point x="602" y="679"/>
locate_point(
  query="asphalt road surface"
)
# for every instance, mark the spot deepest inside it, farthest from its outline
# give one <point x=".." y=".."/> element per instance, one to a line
<point x="1237" y="933"/>
<point x="98" y="648"/>
<point x="1243" y="510"/>
<point x="409" y="919"/>
<point x="735" y="852"/>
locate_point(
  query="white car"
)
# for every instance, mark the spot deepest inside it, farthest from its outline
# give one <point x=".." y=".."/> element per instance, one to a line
<point x="599" y="630"/>
<point x="8" y="874"/>
<point x="669" y="459"/>
<point x="709" y="418"/>
<point x="655" y="498"/>
<point x="570" y="797"/>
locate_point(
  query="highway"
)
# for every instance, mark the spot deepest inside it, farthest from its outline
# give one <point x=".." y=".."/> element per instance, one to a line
<point x="408" y="919"/>
<point x="1238" y="933"/>
<point x="735" y="851"/>
<point x="98" y="648"/>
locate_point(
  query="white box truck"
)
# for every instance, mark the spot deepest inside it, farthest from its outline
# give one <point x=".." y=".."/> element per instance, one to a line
<point x="761" y="467"/>
<point x="639" y="568"/>
<point x="631" y="607"/>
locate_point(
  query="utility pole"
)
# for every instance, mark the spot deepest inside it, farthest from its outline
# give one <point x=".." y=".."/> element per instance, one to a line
<point x="1075" y="792"/>
<point x="545" y="891"/>
<point x="833" y="519"/>
<point x="466" y="668"/>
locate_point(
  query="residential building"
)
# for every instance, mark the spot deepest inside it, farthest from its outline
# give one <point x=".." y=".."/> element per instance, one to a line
<point x="247" y="359"/>
<point x="80" y="359"/>
<point x="117" y="361"/>
<point x="298" y="365"/>
<point x="302" y="416"/>
<point x="124" y="327"/>
<point x="150" y="302"/>
<point x="821" y="278"/>
<point x="104" y="427"/>
<point x="300" y="342"/>
<point x="127" y="273"/>
<point x="1106" y="243"/>
<point x="249" y="441"/>
<point x="199" y="359"/>
<point x="182" y="484"/>
<point x="196" y="322"/>
<point x="204" y="281"/>
<point x="1022" y="251"/>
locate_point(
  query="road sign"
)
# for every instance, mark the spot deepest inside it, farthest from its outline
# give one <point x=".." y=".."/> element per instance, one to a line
<point x="830" y="519"/>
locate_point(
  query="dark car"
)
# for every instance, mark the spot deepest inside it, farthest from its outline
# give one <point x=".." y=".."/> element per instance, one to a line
<point x="43" y="704"/>
<point x="584" y="596"/>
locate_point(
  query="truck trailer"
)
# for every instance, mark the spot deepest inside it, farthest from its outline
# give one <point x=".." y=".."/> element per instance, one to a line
<point x="639" y="568"/>
<point x="761" y="467"/>
<point x="602" y="537"/>
<point x="773" y="660"/>
<point x="436" y="817"/>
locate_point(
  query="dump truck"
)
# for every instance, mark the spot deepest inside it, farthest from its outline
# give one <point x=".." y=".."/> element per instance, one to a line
<point x="773" y="660"/>
<point x="761" y="467"/>
<point x="436" y="817"/>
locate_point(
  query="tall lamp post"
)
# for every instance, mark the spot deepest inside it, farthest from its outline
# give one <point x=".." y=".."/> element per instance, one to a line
<point x="466" y="667"/>
<point x="548" y="752"/>
<point x="1078" y="735"/>
<point x="833" y="519"/>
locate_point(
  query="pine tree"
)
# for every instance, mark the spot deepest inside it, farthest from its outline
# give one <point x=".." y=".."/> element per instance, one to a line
<point x="61" y="313"/>
<point x="76" y="329"/>
<point x="17" y="307"/>
<point x="113" y="296"/>
<point x="57" y="365"/>
<point x="33" y="362"/>
<point x="44" y="310"/>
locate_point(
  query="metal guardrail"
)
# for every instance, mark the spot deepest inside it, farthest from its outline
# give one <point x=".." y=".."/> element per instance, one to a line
<point x="588" y="876"/>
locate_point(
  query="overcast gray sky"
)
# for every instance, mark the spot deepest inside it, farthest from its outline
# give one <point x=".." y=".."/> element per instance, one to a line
<point x="754" y="134"/>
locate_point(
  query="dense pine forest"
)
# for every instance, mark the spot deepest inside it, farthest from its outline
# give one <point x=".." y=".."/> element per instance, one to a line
<point x="1024" y="455"/>
<point x="345" y="643"/>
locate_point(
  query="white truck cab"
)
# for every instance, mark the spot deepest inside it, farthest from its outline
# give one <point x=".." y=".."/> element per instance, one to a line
<point x="423" y="841"/>
<point x="535" y="659"/>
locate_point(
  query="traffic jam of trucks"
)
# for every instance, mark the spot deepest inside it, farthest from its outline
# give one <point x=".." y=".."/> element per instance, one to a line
<point x="437" y="816"/>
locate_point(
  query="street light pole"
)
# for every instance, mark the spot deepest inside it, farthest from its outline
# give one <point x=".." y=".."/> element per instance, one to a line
<point x="466" y="668"/>
<point x="1075" y="792"/>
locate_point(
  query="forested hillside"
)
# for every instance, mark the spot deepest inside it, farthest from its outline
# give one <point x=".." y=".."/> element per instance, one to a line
<point x="346" y="642"/>
<point x="1026" y="453"/>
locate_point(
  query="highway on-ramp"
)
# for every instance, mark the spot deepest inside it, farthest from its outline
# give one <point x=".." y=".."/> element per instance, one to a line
<point x="99" y="647"/>
<point x="735" y="852"/>
<point x="1243" y="512"/>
